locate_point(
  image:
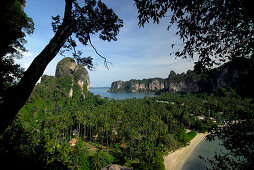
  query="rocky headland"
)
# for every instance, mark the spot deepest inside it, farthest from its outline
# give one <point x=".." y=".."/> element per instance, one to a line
<point x="231" y="73"/>
<point x="134" y="86"/>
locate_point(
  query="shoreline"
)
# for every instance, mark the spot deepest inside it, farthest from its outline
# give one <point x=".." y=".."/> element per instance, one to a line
<point x="176" y="160"/>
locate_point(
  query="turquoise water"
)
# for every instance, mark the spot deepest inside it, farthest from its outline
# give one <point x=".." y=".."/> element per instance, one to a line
<point x="205" y="149"/>
<point x="102" y="91"/>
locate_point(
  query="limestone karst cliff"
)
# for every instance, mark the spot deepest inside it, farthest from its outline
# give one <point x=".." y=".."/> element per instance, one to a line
<point x="69" y="77"/>
<point x="79" y="75"/>
<point x="183" y="82"/>
<point x="190" y="82"/>
<point x="65" y="67"/>
<point x="237" y="73"/>
<point x="134" y="86"/>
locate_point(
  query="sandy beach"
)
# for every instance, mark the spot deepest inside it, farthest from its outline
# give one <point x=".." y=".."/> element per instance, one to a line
<point x="175" y="160"/>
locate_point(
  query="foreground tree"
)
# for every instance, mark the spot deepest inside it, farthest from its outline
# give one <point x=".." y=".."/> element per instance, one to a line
<point x="214" y="30"/>
<point x="93" y="17"/>
<point x="237" y="137"/>
<point x="14" y="25"/>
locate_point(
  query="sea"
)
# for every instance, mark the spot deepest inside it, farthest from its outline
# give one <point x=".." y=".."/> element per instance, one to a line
<point x="103" y="92"/>
<point x="205" y="149"/>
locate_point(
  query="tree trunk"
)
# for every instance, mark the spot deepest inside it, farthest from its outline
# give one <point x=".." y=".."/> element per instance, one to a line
<point x="18" y="95"/>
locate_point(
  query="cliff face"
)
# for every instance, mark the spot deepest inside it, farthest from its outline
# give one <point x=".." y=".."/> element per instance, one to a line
<point x="79" y="75"/>
<point x="65" y="67"/>
<point x="228" y="74"/>
<point x="183" y="87"/>
<point x="190" y="82"/>
<point x="133" y="86"/>
<point x="70" y="75"/>
<point x="116" y="85"/>
<point x="183" y="82"/>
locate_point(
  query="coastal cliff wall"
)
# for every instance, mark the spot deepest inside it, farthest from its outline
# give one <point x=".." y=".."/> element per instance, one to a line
<point x="133" y="86"/>
<point x="189" y="82"/>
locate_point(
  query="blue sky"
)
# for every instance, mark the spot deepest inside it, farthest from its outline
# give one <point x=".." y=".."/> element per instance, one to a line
<point x="139" y="52"/>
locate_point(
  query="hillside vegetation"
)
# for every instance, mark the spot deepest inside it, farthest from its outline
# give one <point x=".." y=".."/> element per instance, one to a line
<point x="132" y="132"/>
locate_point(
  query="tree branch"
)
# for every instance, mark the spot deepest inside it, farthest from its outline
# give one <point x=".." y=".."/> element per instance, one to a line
<point x="68" y="8"/>
<point x="104" y="58"/>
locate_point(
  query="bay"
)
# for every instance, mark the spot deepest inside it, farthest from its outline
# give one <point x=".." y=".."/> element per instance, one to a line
<point x="103" y="92"/>
<point x="205" y="149"/>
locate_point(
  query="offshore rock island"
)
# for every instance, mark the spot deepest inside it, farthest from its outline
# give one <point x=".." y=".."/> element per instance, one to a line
<point x="190" y="82"/>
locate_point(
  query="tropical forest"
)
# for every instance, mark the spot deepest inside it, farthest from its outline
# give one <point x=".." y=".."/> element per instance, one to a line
<point x="56" y="122"/>
<point x="58" y="131"/>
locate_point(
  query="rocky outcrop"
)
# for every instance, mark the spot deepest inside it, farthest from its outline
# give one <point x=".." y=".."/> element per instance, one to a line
<point x="133" y="86"/>
<point x="183" y="87"/>
<point x="68" y="67"/>
<point x="236" y="71"/>
<point x="81" y="76"/>
<point x="117" y="85"/>
<point x="65" y="67"/>
<point x="225" y="75"/>
<point x="189" y="82"/>
<point x="77" y="74"/>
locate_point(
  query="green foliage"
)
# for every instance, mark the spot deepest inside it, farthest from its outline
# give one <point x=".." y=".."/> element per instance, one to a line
<point x="227" y="91"/>
<point x="80" y="157"/>
<point x="158" y="162"/>
<point x="170" y="142"/>
<point x="182" y="137"/>
<point x="190" y="135"/>
<point x="14" y="25"/>
<point x="91" y="17"/>
<point x="210" y="29"/>
<point x="131" y="132"/>
<point x="100" y="160"/>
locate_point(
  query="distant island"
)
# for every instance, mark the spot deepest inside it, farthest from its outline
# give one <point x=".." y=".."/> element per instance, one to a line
<point x="190" y="82"/>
